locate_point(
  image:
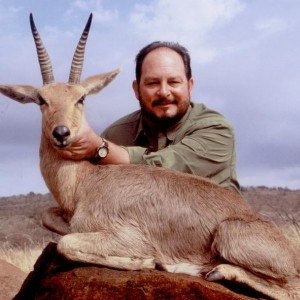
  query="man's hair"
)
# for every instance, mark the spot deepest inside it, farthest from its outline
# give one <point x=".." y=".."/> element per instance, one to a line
<point x="183" y="52"/>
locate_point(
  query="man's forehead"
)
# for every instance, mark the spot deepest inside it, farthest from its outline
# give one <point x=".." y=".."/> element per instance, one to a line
<point x="163" y="60"/>
<point x="162" y="51"/>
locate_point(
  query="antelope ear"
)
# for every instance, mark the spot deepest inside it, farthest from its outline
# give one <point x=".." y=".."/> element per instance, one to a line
<point x="95" y="84"/>
<point x="21" y="93"/>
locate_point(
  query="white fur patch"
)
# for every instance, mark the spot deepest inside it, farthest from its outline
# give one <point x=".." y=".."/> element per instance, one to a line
<point x="184" y="268"/>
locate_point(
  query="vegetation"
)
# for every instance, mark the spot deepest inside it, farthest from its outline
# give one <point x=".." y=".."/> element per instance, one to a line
<point x="22" y="257"/>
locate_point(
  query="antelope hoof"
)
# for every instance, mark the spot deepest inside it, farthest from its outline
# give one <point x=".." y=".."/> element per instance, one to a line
<point x="214" y="276"/>
<point x="159" y="266"/>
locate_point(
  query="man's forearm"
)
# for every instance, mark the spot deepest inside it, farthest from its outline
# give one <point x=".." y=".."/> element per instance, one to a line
<point x="116" y="155"/>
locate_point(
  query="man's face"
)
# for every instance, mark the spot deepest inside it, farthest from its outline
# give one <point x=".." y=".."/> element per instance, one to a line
<point x="164" y="90"/>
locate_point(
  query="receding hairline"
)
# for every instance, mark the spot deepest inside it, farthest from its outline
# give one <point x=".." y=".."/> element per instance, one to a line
<point x="176" y="47"/>
<point x="164" y="49"/>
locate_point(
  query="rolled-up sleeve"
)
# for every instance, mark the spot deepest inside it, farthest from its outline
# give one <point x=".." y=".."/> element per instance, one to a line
<point x="136" y="154"/>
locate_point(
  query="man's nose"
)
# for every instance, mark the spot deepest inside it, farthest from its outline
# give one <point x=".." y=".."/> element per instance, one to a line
<point x="163" y="90"/>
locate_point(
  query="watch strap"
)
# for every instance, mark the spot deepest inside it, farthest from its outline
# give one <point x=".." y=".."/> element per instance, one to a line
<point x="96" y="159"/>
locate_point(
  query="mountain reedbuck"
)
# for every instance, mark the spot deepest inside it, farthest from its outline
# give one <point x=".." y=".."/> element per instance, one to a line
<point x="136" y="216"/>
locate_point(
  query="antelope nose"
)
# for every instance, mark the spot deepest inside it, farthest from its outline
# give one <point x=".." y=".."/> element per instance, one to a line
<point x="61" y="133"/>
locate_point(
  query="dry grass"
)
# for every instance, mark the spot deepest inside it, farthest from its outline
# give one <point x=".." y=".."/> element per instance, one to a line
<point x="23" y="258"/>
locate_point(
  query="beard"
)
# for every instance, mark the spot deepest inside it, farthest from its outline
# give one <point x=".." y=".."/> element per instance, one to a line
<point x="164" y="121"/>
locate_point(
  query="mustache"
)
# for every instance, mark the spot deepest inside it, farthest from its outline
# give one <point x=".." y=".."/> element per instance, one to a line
<point x="163" y="101"/>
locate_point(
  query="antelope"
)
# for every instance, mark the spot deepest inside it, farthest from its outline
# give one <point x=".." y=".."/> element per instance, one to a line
<point x="137" y="217"/>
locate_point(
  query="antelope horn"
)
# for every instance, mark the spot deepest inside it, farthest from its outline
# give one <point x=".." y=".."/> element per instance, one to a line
<point x="77" y="62"/>
<point x="44" y="60"/>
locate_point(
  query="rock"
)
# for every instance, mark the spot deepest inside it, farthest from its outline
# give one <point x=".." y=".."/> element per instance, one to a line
<point x="11" y="279"/>
<point x="55" y="278"/>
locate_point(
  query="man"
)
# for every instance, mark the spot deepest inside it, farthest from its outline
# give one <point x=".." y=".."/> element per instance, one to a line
<point x="169" y="130"/>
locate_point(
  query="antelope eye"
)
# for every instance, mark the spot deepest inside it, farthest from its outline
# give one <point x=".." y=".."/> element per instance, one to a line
<point x="81" y="100"/>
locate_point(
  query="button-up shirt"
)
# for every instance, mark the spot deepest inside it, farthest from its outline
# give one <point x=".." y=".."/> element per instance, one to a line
<point x="201" y="143"/>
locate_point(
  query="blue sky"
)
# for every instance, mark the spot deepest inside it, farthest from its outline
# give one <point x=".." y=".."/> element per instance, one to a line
<point x="245" y="61"/>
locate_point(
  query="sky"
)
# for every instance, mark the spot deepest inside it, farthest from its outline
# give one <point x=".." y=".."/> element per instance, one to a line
<point x="245" y="62"/>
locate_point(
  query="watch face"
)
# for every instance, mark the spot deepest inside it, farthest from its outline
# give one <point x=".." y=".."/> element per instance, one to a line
<point x="102" y="152"/>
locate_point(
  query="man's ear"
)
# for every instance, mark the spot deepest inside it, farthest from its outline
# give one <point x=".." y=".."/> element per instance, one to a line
<point x="136" y="89"/>
<point x="191" y="85"/>
<point x="21" y="93"/>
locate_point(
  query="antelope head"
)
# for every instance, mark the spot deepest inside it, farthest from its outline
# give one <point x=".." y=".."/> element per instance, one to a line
<point x="61" y="104"/>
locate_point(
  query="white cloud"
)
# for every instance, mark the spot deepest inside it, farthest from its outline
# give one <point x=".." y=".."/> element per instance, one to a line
<point x="188" y="22"/>
<point x="14" y="9"/>
<point x="8" y="16"/>
<point x="270" y="26"/>
<point x="7" y="12"/>
<point x="100" y="14"/>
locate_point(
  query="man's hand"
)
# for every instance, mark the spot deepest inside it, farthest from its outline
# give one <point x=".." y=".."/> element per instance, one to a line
<point x="84" y="145"/>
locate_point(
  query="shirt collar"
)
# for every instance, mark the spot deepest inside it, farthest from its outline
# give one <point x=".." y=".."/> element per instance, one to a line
<point x="170" y="133"/>
<point x="173" y="131"/>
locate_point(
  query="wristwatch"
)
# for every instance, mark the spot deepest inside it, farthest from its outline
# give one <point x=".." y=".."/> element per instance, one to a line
<point x="101" y="151"/>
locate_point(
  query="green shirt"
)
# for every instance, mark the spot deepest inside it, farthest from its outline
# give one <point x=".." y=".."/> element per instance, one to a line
<point x="201" y="143"/>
